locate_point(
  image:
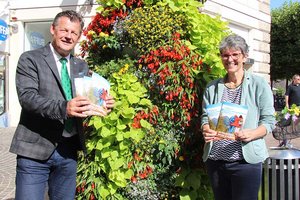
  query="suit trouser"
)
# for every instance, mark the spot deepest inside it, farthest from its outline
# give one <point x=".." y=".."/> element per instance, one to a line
<point x="58" y="173"/>
<point x="237" y="180"/>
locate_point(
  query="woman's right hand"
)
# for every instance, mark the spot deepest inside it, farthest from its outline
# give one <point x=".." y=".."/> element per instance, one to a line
<point x="208" y="134"/>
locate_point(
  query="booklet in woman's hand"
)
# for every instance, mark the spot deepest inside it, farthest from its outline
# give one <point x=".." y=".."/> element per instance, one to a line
<point x="230" y="118"/>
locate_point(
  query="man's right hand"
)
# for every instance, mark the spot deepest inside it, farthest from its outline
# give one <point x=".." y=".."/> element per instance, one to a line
<point x="77" y="107"/>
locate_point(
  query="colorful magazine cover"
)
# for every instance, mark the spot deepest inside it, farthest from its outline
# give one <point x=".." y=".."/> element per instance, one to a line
<point x="96" y="88"/>
<point x="226" y="118"/>
<point x="213" y="113"/>
<point x="231" y="120"/>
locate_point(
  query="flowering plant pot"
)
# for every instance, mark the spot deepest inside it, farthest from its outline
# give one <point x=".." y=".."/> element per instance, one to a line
<point x="288" y="123"/>
<point x="158" y="56"/>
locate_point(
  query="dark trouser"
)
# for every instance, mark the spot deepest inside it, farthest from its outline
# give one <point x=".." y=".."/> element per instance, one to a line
<point x="234" y="180"/>
<point x="58" y="173"/>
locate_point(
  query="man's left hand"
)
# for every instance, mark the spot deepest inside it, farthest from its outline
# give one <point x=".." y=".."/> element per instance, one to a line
<point x="109" y="103"/>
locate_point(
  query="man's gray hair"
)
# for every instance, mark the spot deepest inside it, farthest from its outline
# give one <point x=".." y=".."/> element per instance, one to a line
<point x="72" y="15"/>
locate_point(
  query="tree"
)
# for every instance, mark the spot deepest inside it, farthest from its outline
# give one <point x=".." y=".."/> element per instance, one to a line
<point x="285" y="41"/>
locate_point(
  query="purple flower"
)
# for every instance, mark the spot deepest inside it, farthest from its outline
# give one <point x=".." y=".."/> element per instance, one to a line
<point x="287" y="116"/>
<point x="294" y="118"/>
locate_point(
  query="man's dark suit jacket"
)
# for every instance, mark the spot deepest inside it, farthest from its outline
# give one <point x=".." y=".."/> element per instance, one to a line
<point x="43" y="104"/>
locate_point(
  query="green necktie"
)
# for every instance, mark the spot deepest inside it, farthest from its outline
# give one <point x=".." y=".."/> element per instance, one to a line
<point x="66" y="83"/>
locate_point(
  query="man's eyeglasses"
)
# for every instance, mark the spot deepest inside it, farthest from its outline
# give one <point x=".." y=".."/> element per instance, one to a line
<point x="234" y="56"/>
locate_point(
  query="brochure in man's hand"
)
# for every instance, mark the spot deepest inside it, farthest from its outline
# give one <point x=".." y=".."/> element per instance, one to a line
<point x="95" y="88"/>
<point x="226" y="118"/>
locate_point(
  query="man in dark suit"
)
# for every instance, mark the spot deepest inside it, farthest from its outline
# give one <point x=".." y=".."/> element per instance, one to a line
<point x="292" y="94"/>
<point x="46" y="150"/>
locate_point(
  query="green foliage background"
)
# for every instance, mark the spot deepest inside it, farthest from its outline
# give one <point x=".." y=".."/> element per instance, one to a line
<point x="285" y="41"/>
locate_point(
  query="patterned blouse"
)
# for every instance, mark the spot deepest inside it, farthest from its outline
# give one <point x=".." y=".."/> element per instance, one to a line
<point x="228" y="150"/>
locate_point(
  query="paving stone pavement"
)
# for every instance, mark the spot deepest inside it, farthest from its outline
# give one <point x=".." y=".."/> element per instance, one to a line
<point x="8" y="161"/>
<point x="7" y="165"/>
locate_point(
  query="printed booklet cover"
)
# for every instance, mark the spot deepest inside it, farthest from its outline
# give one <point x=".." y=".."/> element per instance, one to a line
<point x="96" y="88"/>
<point x="231" y="118"/>
<point x="213" y="112"/>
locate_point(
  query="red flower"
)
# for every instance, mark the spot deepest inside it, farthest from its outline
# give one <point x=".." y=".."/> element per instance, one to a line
<point x="92" y="197"/>
<point x="143" y="174"/>
<point x="149" y="169"/>
<point x="136" y="123"/>
<point x="133" y="179"/>
<point x="176" y="36"/>
<point x="78" y="189"/>
<point x="136" y="156"/>
<point x="130" y="164"/>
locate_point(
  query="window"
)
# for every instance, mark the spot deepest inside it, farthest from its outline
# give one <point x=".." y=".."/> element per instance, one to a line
<point x="37" y="34"/>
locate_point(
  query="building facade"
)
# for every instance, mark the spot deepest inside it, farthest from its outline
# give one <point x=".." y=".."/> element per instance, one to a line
<point x="29" y="23"/>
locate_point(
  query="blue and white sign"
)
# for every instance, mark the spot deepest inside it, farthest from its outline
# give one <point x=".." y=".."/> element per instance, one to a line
<point x="4" y="31"/>
<point x="37" y="40"/>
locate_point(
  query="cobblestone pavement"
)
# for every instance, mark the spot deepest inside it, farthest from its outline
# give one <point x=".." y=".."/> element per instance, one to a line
<point x="7" y="165"/>
<point x="8" y="161"/>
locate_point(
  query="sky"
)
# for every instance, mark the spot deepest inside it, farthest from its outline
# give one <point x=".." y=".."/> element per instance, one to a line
<point x="279" y="3"/>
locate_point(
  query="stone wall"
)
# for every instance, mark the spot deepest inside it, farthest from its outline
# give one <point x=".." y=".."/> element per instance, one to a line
<point x="251" y="19"/>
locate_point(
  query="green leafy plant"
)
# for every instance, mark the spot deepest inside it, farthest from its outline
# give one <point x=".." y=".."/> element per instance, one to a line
<point x="158" y="56"/>
<point x="111" y="142"/>
<point x="174" y="69"/>
<point x="288" y="113"/>
<point x="149" y="27"/>
<point x="204" y="32"/>
<point x="279" y="91"/>
<point x="100" y="38"/>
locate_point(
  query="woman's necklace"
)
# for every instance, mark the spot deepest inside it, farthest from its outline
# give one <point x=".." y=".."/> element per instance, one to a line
<point x="233" y="85"/>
